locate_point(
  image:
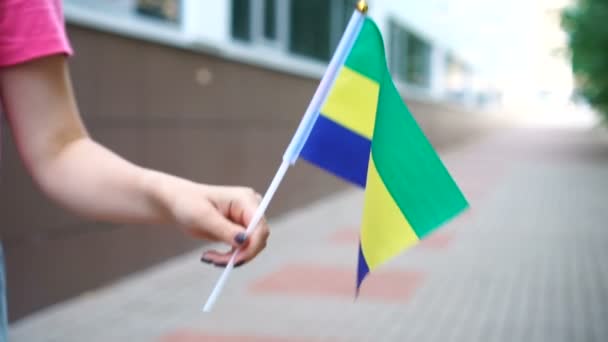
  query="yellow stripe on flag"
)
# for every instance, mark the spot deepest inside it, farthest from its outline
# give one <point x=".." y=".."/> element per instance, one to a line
<point x="352" y="102"/>
<point x="385" y="231"/>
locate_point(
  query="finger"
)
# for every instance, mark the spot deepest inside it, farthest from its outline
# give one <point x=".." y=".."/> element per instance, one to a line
<point x="200" y="234"/>
<point x="254" y="247"/>
<point x="257" y="242"/>
<point x="238" y="203"/>
<point x="241" y="205"/>
<point x="259" y="236"/>
<point x="217" y="258"/>
<point x="222" y="229"/>
<point x="244" y="207"/>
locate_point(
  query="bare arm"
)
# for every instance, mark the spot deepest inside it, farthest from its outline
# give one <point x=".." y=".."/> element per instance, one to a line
<point x="92" y="181"/>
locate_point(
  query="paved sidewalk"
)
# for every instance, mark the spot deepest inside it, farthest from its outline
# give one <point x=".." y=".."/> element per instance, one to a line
<point x="526" y="263"/>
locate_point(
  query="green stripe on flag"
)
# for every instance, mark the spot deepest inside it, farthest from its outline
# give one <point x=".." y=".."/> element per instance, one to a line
<point x="410" y="168"/>
<point x="367" y="55"/>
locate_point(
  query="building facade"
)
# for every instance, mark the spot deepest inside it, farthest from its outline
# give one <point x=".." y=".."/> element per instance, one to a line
<point x="299" y="37"/>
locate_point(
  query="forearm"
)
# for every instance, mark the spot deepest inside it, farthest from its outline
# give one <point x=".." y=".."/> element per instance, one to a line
<point x="94" y="182"/>
<point x="71" y="168"/>
<point x="90" y="180"/>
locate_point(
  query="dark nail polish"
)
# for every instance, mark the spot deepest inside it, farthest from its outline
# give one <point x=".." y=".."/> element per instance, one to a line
<point x="219" y="265"/>
<point x="205" y="260"/>
<point x="238" y="264"/>
<point x="240" y="238"/>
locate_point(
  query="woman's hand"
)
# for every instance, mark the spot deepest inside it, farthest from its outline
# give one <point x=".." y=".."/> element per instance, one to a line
<point x="214" y="213"/>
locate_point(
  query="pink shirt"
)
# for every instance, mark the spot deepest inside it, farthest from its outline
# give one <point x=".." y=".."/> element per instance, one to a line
<point x="31" y="29"/>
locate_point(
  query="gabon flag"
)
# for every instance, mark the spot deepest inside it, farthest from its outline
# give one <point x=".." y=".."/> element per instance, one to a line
<point x="365" y="134"/>
<point x="358" y="128"/>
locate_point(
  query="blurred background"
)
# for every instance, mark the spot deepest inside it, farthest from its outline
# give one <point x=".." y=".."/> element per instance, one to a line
<point x="214" y="90"/>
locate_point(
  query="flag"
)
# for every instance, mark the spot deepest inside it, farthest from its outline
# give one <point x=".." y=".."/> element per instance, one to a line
<point x="366" y="135"/>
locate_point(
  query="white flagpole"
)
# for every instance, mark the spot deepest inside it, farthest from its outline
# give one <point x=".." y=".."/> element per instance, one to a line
<point x="297" y="142"/>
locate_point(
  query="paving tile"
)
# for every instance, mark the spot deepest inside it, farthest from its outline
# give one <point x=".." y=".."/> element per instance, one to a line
<point x="192" y="336"/>
<point x="439" y="240"/>
<point x="327" y="281"/>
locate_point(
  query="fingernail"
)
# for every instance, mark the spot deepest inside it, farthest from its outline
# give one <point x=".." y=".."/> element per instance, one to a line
<point x="240" y="263"/>
<point x="205" y="260"/>
<point x="219" y="265"/>
<point x="240" y="238"/>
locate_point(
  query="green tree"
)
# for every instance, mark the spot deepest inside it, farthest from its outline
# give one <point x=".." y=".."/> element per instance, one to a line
<point x="586" y="24"/>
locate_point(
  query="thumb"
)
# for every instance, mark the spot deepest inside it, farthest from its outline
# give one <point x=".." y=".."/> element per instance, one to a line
<point x="222" y="229"/>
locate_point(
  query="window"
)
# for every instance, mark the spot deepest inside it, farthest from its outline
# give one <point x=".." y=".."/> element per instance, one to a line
<point x="241" y="25"/>
<point x="270" y="19"/>
<point x="165" y="11"/>
<point x="308" y="37"/>
<point x="410" y="56"/>
<point x="256" y="20"/>
<point x="397" y="43"/>
<point x="419" y="57"/>
<point x="310" y="28"/>
<point x="455" y="77"/>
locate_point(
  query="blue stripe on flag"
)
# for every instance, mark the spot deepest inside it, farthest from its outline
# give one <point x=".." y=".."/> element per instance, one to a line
<point x="338" y="150"/>
<point x="362" y="269"/>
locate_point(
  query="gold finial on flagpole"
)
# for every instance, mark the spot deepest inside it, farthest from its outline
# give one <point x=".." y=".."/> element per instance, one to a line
<point x="362" y="6"/>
